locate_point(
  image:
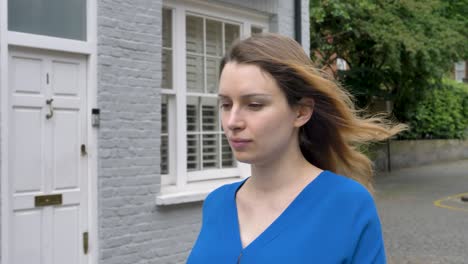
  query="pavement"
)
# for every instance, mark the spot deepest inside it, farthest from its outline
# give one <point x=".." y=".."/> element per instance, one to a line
<point x="423" y="218"/>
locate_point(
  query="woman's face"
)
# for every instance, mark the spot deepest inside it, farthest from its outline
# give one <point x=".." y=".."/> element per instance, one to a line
<point x="255" y="115"/>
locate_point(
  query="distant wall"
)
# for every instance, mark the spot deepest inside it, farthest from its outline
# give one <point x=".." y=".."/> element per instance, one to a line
<point x="411" y="153"/>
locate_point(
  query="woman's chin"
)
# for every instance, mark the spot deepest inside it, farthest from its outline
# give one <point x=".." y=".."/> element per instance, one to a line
<point x="244" y="159"/>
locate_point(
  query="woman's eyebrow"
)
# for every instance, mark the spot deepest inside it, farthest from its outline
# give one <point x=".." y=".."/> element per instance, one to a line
<point x="222" y="96"/>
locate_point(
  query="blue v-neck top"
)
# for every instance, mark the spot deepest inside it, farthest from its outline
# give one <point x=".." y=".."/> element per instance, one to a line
<point x="332" y="220"/>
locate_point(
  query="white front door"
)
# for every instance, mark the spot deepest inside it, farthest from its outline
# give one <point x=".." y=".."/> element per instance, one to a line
<point x="47" y="158"/>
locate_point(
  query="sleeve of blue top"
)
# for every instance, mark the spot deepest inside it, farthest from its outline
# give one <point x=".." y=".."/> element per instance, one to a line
<point x="370" y="247"/>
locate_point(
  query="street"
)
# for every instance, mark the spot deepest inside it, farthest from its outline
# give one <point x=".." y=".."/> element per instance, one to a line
<point x="424" y="220"/>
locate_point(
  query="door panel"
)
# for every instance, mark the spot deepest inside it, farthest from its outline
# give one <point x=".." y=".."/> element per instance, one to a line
<point x="27" y="236"/>
<point x="33" y="68"/>
<point x="27" y="133"/>
<point x="66" y="234"/>
<point x="47" y="127"/>
<point x="66" y="149"/>
<point x="65" y="79"/>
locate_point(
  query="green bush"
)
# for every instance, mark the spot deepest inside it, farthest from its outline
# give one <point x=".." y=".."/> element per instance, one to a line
<point x="441" y="114"/>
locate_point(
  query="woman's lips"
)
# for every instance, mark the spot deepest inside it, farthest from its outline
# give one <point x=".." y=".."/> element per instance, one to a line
<point x="239" y="143"/>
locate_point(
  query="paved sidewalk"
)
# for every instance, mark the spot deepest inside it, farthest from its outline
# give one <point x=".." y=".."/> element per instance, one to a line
<point x="416" y="231"/>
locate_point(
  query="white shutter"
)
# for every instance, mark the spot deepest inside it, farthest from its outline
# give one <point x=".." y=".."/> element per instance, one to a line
<point x="193" y="134"/>
<point x="210" y="118"/>
<point x="227" y="157"/>
<point x="214" y="38"/>
<point x="194" y="34"/>
<point x="164" y="137"/>
<point x="195" y="73"/>
<point x="212" y="74"/>
<point x="210" y="141"/>
<point x="210" y="151"/>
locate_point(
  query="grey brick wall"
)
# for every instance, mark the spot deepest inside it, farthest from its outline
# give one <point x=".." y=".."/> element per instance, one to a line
<point x="132" y="229"/>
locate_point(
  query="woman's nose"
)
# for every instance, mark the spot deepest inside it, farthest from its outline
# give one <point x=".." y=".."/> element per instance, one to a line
<point x="234" y="120"/>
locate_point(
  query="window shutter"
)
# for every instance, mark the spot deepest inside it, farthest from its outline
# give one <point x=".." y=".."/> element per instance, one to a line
<point x="195" y="49"/>
<point x="214" y="38"/>
<point x="193" y="146"/>
<point x="195" y="73"/>
<point x="212" y="72"/>
<point x="232" y="32"/>
<point x="194" y="36"/>
<point x="210" y="151"/>
<point x="227" y="157"/>
<point x="164" y="137"/>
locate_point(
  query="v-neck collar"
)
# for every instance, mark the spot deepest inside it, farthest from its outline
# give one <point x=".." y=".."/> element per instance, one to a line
<point x="276" y="227"/>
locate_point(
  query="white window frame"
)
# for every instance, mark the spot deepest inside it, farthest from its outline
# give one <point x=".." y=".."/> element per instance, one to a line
<point x="88" y="48"/>
<point x="179" y="185"/>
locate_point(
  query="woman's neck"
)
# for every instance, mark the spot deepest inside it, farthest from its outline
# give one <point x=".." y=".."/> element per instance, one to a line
<point x="288" y="170"/>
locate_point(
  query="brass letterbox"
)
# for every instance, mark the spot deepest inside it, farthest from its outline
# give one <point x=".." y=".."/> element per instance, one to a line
<point x="47" y="200"/>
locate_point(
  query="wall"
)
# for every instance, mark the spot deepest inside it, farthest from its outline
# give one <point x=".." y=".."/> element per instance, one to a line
<point x="132" y="229"/>
<point x="412" y="153"/>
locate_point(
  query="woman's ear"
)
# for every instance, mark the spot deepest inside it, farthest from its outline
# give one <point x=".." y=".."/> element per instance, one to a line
<point x="304" y="111"/>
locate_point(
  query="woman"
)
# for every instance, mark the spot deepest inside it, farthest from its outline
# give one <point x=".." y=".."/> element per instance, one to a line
<point x="300" y="133"/>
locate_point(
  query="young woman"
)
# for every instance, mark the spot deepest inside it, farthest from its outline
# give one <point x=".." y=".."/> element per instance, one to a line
<point x="300" y="132"/>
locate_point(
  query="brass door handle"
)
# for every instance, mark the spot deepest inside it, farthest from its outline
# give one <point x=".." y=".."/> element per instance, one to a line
<point x="51" y="109"/>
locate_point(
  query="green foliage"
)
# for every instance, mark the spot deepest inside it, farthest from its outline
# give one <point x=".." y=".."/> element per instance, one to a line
<point x="395" y="49"/>
<point x="442" y="113"/>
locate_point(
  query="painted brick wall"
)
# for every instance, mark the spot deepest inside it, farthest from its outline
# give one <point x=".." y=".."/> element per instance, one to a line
<point x="281" y="15"/>
<point x="132" y="229"/>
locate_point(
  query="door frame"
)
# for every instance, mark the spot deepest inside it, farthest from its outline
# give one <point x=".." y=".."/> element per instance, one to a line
<point x="89" y="49"/>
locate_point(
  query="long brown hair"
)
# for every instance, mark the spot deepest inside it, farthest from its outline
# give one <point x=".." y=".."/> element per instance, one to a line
<point x="332" y="138"/>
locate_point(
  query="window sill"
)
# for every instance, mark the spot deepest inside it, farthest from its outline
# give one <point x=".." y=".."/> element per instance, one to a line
<point x="192" y="192"/>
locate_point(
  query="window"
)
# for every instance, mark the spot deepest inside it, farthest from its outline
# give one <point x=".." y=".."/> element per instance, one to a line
<point x="57" y="18"/>
<point x="460" y="71"/>
<point x="341" y="64"/>
<point x="195" y="154"/>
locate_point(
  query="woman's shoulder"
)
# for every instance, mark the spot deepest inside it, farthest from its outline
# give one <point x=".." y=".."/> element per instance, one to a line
<point x="222" y="194"/>
<point x="347" y="189"/>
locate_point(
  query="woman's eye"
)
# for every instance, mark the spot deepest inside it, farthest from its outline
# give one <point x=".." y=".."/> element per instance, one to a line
<point x="255" y="106"/>
<point x="224" y="105"/>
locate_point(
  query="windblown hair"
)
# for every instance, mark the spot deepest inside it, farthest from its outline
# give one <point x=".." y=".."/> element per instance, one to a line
<point x="333" y="137"/>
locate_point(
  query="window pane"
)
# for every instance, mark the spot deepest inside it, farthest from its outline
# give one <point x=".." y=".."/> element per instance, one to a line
<point x="166" y="69"/>
<point x="57" y="18"/>
<point x="232" y="32"/>
<point x="214" y="40"/>
<point x="163" y="114"/>
<point x="227" y="157"/>
<point x="194" y="38"/>
<point x="195" y="74"/>
<point x="193" y="152"/>
<point x="212" y="71"/>
<point x="164" y="155"/>
<point x="210" y="118"/>
<point x="167" y="28"/>
<point x="210" y="151"/>
<point x="164" y="137"/>
<point x="192" y="117"/>
<point x="255" y="30"/>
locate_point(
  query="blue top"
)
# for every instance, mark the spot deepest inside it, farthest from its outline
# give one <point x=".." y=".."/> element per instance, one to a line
<point x="332" y="220"/>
